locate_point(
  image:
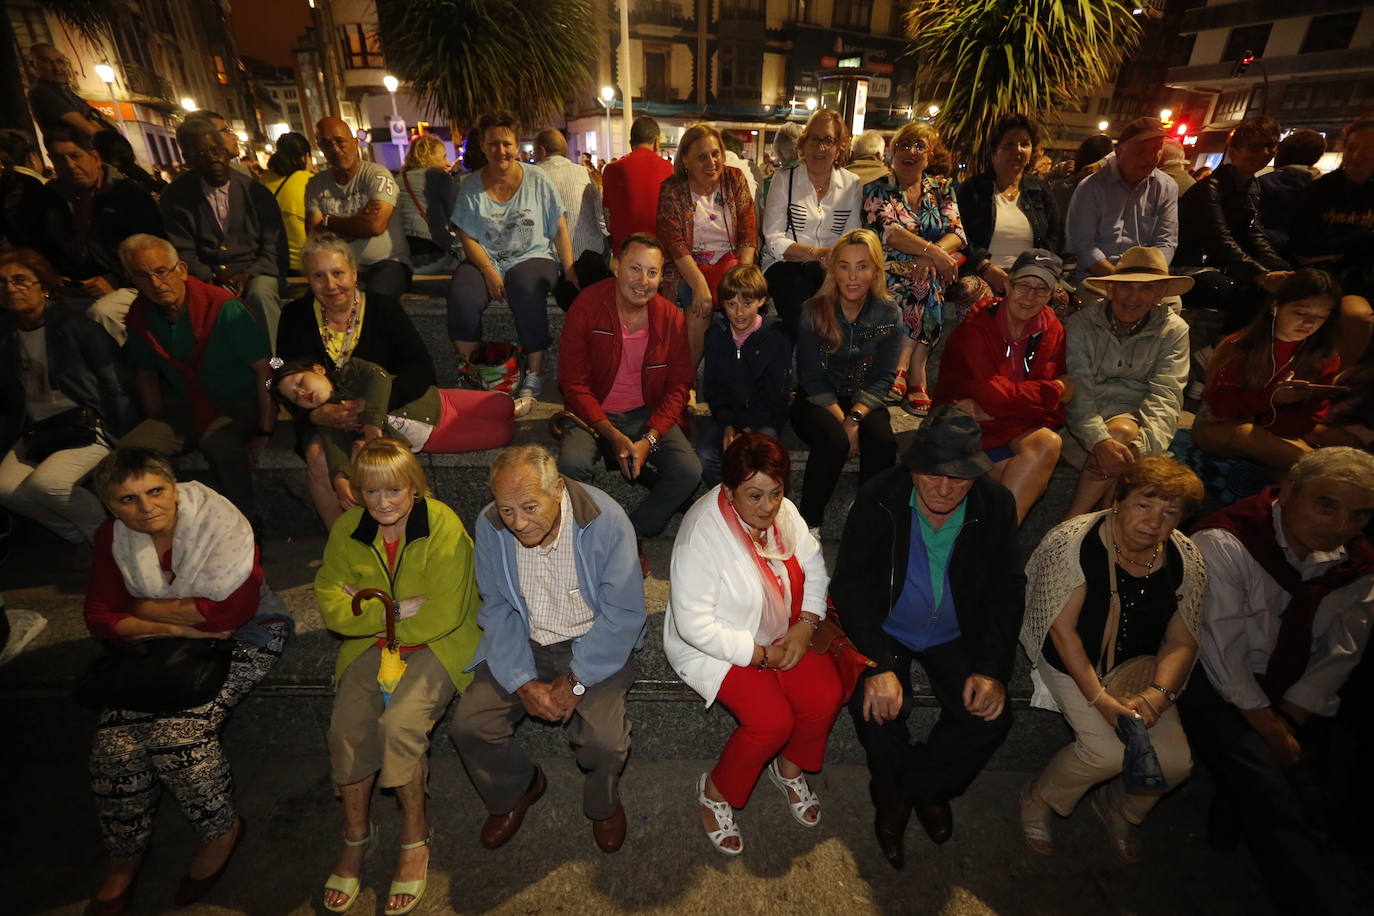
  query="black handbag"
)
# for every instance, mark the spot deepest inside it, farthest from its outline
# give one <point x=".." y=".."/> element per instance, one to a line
<point x="74" y="428"/>
<point x="156" y="675"/>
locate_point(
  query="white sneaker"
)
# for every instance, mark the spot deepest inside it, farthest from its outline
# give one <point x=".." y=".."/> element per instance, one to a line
<point x="24" y="626"/>
<point x="531" y="386"/>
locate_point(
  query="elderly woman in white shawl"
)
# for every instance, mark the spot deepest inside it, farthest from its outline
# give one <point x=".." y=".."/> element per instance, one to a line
<point x="1114" y="597"/>
<point x="176" y="561"/>
<point x="749" y="591"/>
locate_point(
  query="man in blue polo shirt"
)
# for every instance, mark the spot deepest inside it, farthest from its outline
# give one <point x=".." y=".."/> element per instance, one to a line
<point x="929" y="571"/>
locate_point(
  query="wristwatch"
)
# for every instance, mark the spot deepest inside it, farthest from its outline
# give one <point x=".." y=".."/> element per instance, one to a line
<point x="578" y="688"/>
<point x="1170" y="695"/>
<point x="855" y="415"/>
<point x="652" y="438"/>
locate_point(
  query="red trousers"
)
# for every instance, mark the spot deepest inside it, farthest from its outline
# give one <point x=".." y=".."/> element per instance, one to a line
<point x="788" y="711"/>
<point x="470" y="421"/>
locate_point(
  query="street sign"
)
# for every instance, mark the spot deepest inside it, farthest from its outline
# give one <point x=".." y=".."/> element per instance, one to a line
<point x="400" y="133"/>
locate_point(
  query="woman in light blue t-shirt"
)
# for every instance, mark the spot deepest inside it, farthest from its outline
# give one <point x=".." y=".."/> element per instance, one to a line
<point x="515" y="240"/>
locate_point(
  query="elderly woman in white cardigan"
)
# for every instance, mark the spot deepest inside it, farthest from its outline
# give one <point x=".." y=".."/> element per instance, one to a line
<point x="1121" y="586"/>
<point x="749" y="588"/>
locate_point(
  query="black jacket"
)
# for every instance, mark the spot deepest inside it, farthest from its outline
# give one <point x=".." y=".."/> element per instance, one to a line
<point x="985" y="571"/>
<point x="977" y="209"/>
<point x="1337" y="220"/>
<point x="122" y="209"/>
<point x="388" y="338"/>
<point x="749" y="386"/>
<point x="253" y="241"/>
<point x="1219" y="226"/>
<point x="83" y="363"/>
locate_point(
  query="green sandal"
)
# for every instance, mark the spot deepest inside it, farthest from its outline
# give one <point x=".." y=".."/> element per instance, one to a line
<point x="414" y="889"/>
<point x="351" y="886"/>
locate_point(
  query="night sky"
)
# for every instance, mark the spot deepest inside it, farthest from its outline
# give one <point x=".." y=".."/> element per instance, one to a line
<point x="268" y="29"/>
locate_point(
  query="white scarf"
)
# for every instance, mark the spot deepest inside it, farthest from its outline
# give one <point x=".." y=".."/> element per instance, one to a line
<point x="212" y="550"/>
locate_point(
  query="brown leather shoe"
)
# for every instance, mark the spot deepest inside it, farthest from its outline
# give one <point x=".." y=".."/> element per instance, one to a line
<point x="937" y="819"/>
<point x="609" y="833"/>
<point x="499" y="828"/>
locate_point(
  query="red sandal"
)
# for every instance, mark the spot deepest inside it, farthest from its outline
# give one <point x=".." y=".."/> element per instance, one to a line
<point x="917" y="401"/>
<point x="898" y="390"/>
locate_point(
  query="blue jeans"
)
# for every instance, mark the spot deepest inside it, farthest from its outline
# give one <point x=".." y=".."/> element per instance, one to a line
<point x="709" y="438"/>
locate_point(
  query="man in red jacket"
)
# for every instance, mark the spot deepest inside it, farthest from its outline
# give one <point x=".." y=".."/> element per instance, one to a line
<point x="625" y="368"/>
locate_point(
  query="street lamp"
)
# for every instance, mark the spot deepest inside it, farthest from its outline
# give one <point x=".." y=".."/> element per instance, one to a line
<point x="1102" y="126"/>
<point x="811" y="103"/>
<point x="189" y="104"/>
<point x="933" y="110"/>
<point x="606" y="97"/>
<point x="392" y="84"/>
<point x="107" y="76"/>
<point x="1165" y="114"/>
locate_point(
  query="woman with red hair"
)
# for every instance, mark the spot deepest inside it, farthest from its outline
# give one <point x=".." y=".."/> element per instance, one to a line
<point x="741" y="635"/>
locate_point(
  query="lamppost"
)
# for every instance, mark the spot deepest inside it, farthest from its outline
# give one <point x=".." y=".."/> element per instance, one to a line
<point x="606" y="97"/>
<point x="933" y="110"/>
<point x="107" y="76"/>
<point x="811" y="103"/>
<point x="392" y="84"/>
<point x="188" y="104"/>
<point x="1102" y="126"/>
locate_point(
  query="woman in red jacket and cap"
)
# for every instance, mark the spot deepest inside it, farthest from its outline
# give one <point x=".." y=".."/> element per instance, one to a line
<point x="1004" y="365"/>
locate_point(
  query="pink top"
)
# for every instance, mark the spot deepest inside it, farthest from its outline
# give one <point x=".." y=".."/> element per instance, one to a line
<point x="627" y="391"/>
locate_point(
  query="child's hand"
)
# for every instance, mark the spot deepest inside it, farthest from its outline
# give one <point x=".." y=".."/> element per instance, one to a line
<point x="371" y="432"/>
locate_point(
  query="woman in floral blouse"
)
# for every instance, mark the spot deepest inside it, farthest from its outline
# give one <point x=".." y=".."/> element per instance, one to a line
<point x="917" y="217"/>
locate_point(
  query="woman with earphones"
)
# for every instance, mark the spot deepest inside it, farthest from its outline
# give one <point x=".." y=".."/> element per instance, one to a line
<point x="1270" y="385"/>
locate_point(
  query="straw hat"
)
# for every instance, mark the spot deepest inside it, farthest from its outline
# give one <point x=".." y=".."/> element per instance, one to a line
<point x="1141" y="265"/>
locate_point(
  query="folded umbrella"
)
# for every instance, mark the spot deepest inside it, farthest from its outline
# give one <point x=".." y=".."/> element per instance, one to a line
<point x="393" y="667"/>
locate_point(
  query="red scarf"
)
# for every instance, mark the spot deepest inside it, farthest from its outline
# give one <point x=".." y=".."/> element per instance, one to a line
<point x="203" y="304"/>
<point x="1251" y="521"/>
<point x="772" y="587"/>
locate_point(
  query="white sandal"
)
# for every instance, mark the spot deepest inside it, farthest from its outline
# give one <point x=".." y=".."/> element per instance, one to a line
<point x="803" y="791"/>
<point x="726" y="826"/>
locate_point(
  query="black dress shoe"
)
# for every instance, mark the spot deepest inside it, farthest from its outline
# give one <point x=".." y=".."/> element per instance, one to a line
<point x="937" y="819"/>
<point x="889" y="825"/>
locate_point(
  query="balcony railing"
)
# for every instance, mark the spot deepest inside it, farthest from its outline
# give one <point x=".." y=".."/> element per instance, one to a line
<point x="142" y="81"/>
<point x="656" y="12"/>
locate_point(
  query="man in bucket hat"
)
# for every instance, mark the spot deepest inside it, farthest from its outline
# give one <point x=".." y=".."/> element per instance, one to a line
<point x="929" y="571"/>
<point x="1128" y="359"/>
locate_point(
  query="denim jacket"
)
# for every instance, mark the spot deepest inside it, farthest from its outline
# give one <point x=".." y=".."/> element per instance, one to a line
<point x="863" y="367"/>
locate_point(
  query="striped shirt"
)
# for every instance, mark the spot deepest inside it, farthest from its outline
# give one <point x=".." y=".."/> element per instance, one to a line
<point x="548" y="581"/>
<point x="799" y="217"/>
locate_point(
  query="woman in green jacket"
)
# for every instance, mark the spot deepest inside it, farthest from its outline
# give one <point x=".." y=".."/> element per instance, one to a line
<point x="415" y="549"/>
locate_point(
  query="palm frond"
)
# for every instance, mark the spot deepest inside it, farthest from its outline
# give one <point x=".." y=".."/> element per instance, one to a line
<point x="463" y="58"/>
<point x="1035" y="57"/>
<point x="92" y="18"/>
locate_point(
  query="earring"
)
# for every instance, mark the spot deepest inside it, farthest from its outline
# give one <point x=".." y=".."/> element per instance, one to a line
<point x="1115" y="511"/>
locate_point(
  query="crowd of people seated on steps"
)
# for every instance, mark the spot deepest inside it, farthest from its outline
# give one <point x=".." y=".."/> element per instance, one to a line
<point x="140" y="322"/>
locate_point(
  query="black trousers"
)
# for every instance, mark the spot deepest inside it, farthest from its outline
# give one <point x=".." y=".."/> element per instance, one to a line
<point x="789" y="285"/>
<point x="829" y="446"/>
<point x="1274" y="807"/>
<point x="958" y="747"/>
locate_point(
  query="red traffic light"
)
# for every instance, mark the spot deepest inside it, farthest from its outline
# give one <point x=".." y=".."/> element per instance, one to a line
<point x="1247" y="60"/>
<point x="1182" y="129"/>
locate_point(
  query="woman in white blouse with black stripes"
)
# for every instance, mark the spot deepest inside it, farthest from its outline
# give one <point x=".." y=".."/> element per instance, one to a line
<point x="809" y="207"/>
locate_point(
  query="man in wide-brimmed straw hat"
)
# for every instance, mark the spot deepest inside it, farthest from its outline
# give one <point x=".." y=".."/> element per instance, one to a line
<point x="929" y="572"/>
<point x="1128" y="359"/>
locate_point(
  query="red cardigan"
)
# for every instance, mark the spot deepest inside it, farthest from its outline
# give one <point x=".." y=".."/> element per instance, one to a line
<point x="589" y="354"/>
<point x="1226" y="399"/>
<point x="975" y="365"/>
<point x="107" y="597"/>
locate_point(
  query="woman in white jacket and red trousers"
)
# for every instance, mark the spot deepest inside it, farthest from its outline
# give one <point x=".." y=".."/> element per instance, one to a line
<point x="749" y="587"/>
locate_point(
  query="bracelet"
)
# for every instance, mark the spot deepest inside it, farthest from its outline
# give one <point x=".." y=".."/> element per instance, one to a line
<point x="1100" y="694"/>
<point x="1146" y="700"/>
<point x="763" y="662"/>
<point x="813" y="624"/>
<point x="1170" y="695"/>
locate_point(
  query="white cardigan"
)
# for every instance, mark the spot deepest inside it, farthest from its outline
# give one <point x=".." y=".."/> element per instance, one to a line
<point x="717" y="597"/>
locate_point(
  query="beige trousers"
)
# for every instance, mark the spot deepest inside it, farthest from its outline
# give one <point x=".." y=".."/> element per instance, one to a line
<point x="365" y="737"/>
<point x="1096" y="754"/>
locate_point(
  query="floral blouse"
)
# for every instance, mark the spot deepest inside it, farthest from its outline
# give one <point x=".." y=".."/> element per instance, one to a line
<point x="932" y="217"/>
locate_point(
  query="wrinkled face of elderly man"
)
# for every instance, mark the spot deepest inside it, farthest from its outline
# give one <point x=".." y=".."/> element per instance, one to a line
<point x="529" y="506"/>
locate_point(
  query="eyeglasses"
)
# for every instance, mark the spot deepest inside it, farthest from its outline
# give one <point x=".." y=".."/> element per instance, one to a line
<point x="18" y="284"/>
<point x="159" y="274"/>
<point x="911" y="146"/>
<point x="1260" y="146"/>
<point x="1038" y="290"/>
<point x="822" y="142"/>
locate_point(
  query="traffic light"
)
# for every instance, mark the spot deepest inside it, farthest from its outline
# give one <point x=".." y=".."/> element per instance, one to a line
<point x="1243" y="63"/>
<point x="1182" y="129"/>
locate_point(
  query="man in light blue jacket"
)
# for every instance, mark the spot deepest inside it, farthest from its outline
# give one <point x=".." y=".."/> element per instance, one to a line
<point x="562" y="611"/>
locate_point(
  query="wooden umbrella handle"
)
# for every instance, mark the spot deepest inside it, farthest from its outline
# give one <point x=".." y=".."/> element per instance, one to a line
<point x="389" y="605"/>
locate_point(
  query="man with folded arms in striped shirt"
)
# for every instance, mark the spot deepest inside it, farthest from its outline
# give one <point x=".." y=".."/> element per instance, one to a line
<point x="562" y="612"/>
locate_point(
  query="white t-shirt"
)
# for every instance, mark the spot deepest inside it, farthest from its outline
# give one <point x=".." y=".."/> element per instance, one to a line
<point x="1011" y="232"/>
<point x="41" y="400"/>
<point x="709" y="232"/>
<point x="371" y="182"/>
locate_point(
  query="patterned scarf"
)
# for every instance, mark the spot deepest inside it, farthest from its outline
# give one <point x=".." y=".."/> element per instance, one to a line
<point x="776" y="615"/>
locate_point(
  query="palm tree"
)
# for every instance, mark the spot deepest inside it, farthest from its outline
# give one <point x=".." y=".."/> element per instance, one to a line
<point x="1028" y="56"/>
<point x="91" y="18"/>
<point x="468" y="57"/>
